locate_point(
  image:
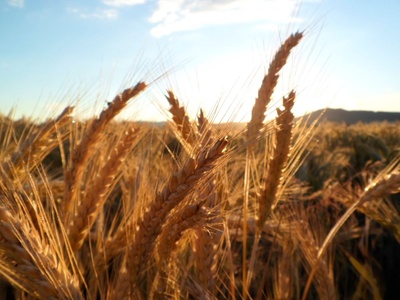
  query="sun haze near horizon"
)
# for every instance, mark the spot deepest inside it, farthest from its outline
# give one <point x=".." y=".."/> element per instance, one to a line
<point x="211" y="53"/>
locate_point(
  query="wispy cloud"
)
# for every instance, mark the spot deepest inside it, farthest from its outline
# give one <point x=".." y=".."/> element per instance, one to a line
<point x="123" y="2"/>
<point x="104" y="13"/>
<point x="184" y="15"/>
<point x="97" y="14"/>
<point x="16" y="3"/>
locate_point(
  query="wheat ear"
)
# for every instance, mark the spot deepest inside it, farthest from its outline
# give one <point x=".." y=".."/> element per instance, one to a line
<point x="202" y="122"/>
<point x="84" y="149"/>
<point x="183" y="182"/>
<point x="267" y="87"/>
<point x="254" y="127"/>
<point x="181" y="119"/>
<point x="36" y="147"/>
<point x="32" y="260"/>
<point x="380" y="210"/>
<point x="89" y="208"/>
<point x="186" y="218"/>
<point x="175" y="189"/>
<point x="207" y="240"/>
<point x="276" y="164"/>
<point x="324" y="282"/>
<point x="148" y="228"/>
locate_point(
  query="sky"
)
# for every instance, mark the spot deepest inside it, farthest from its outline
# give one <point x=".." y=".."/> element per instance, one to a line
<point x="212" y="53"/>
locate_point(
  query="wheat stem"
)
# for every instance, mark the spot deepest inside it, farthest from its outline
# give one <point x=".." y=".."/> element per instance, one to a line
<point x="85" y="148"/>
<point x="267" y="87"/>
<point x="96" y="195"/>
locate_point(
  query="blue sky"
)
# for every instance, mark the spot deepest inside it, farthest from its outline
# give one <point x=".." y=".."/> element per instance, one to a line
<point x="212" y="53"/>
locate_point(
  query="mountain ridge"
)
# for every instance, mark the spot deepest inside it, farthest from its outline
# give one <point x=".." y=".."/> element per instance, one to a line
<point x="352" y="116"/>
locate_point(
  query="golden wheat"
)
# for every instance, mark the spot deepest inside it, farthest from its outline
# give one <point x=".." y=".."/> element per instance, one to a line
<point x="122" y="215"/>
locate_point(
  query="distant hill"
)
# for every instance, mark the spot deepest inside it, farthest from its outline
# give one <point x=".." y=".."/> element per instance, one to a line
<point x="354" y="116"/>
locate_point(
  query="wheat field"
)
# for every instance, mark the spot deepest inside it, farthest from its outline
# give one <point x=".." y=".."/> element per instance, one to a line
<point x="106" y="209"/>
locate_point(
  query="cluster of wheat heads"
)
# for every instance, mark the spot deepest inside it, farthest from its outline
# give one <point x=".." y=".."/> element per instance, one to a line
<point x="123" y="216"/>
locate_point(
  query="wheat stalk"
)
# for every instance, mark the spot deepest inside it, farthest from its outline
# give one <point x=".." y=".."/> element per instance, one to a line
<point x="31" y="152"/>
<point x="259" y="109"/>
<point x="84" y="149"/>
<point x="184" y="127"/>
<point x="283" y="288"/>
<point x="32" y="259"/>
<point x="277" y="163"/>
<point x="324" y="282"/>
<point x="186" y="218"/>
<point x="207" y="240"/>
<point x="148" y="228"/>
<point x="267" y="87"/>
<point x="380" y="210"/>
<point x="96" y="195"/>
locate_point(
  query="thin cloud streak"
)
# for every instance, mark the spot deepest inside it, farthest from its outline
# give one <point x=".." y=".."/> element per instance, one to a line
<point x="16" y="3"/>
<point x="186" y="15"/>
<point x="118" y="3"/>
<point x="99" y="14"/>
